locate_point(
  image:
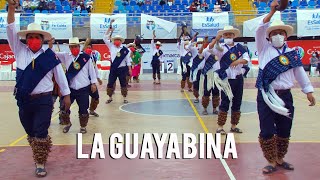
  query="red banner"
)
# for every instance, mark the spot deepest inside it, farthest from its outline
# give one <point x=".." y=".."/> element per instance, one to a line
<point x="309" y="47"/>
<point x="103" y="50"/>
<point x="6" y="55"/>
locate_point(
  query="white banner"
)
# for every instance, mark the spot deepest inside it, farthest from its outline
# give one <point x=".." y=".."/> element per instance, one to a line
<point x="3" y="24"/>
<point x="164" y="29"/>
<point x="250" y="26"/>
<point x="210" y="20"/>
<point x="99" y="24"/>
<point x="170" y="54"/>
<point x="308" y="22"/>
<point x="59" y="25"/>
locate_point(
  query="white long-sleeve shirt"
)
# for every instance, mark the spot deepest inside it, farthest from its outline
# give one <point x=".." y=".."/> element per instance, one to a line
<point x="182" y="49"/>
<point x="232" y="72"/>
<point x="24" y="56"/>
<point x="81" y="80"/>
<point x="114" y="50"/>
<point x="267" y="52"/>
<point x="154" y="50"/>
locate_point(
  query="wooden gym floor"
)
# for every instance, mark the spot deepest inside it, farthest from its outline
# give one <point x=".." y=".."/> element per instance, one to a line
<point x="159" y="109"/>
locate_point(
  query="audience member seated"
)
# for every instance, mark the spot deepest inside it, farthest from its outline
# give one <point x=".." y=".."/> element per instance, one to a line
<point x="193" y="7"/>
<point x="225" y="6"/>
<point x="162" y="2"/>
<point x="217" y="8"/>
<point x="42" y="6"/>
<point x="148" y="2"/>
<point x="197" y="3"/>
<point x="89" y="5"/>
<point x="82" y="6"/>
<point x="19" y="8"/>
<point x="26" y="5"/>
<point x="205" y="5"/>
<point x="51" y="5"/>
<point x="73" y="3"/>
<point x="170" y="2"/>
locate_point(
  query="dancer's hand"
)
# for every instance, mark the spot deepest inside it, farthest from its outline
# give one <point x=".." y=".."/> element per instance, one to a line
<point x="273" y="5"/>
<point x="100" y="82"/>
<point x="66" y="102"/>
<point x="93" y="88"/>
<point x="235" y="63"/>
<point x="311" y="99"/>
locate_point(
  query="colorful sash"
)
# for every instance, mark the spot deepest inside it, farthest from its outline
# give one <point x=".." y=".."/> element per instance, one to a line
<point x="77" y="66"/>
<point x="119" y="58"/>
<point x="209" y="64"/>
<point x="275" y="67"/>
<point x="233" y="54"/>
<point x="28" y="79"/>
<point x="155" y="58"/>
<point x="195" y="67"/>
<point x="271" y="71"/>
<point x="186" y="59"/>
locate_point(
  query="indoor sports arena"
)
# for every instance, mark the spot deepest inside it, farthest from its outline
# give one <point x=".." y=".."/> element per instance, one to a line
<point x="162" y="89"/>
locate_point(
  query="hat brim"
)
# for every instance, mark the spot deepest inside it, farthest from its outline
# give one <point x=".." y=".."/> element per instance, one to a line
<point x="287" y="28"/>
<point x="235" y="31"/>
<point x="158" y="44"/>
<point x="118" y="38"/>
<point x="23" y="34"/>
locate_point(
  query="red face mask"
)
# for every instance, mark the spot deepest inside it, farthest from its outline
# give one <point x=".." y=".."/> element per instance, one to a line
<point x="132" y="49"/>
<point x="157" y="47"/>
<point x="34" y="44"/>
<point x="88" y="51"/>
<point x="117" y="43"/>
<point x="75" y="51"/>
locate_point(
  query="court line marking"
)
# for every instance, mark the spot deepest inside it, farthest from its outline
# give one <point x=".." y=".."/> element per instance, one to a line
<point x="157" y="115"/>
<point x="223" y="162"/>
<point x="25" y="136"/>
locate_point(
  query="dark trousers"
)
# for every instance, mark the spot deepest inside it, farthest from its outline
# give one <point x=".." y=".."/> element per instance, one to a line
<point x="207" y="92"/>
<point x="155" y="69"/>
<point x="186" y="74"/>
<point x="197" y="81"/>
<point x="81" y="96"/>
<point x="120" y="73"/>
<point x="35" y="115"/>
<point x="237" y="91"/>
<point x="272" y="123"/>
<point x="94" y="95"/>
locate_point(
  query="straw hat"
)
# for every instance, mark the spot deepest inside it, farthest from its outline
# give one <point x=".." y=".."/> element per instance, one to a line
<point x="118" y="37"/>
<point x="229" y="29"/>
<point x="278" y="24"/>
<point x="34" y="28"/>
<point x="158" y="43"/>
<point x="131" y="45"/>
<point x="199" y="40"/>
<point x="74" y="41"/>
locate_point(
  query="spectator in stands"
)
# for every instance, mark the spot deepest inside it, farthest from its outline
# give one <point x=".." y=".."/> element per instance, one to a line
<point x="170" y="2"/>
<point x="140" y="2"/>
<point x="74" y="3"/>
<point x="217" y="8"/>
<point x="225" y="6"/>
<point x="78" y="8"/>
<point x="42" y="5"/>
<point x="26" y="5"/>
<point x="51" y="5"/>
<point x="82" y="6"/>
<point x="193" y="7"/>
<point x="89" y="5"/>
<point x="162" y="2"/>
<point x="197" y="3"/>
<point x="19" y="8"/>
<point x="147" y="2"/>
<point x="205" y="5"/>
